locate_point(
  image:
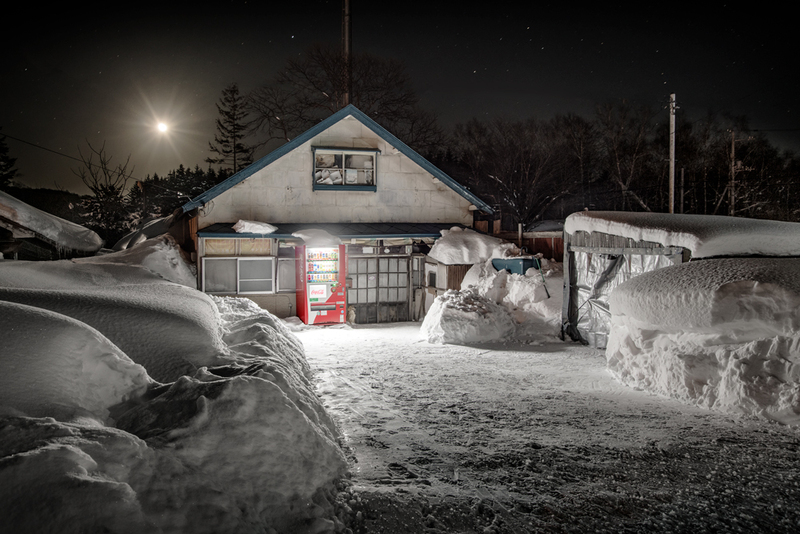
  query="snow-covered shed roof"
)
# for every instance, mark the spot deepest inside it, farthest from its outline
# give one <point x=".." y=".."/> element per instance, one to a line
<point x="26" y="221"/>
<point x="340" y="230"/>
<point x="348" y="111"/>
<point x="703" y="235"/>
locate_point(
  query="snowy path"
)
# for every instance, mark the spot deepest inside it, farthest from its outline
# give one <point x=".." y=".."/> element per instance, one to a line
<point x="519" y="438"/>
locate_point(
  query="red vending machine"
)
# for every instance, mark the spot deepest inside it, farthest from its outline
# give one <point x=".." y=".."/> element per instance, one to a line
<point x="321" y="292"/>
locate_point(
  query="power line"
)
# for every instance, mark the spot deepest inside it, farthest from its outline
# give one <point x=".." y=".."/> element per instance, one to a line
<point x="61" y="154"/>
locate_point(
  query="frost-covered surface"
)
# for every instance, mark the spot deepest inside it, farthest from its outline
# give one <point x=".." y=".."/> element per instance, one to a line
<point x="459" y="246"/>
<point x="719" y="333"/>
<point x="496" y="305"/>
<point x="232" y="437"/>
<point x="704" y="235"/>
<point x="515" y="438"/>
<point x="62" y="232"/>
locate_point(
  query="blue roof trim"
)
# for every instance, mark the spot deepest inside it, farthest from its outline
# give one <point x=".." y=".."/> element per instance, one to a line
<point x="312" y="132"/>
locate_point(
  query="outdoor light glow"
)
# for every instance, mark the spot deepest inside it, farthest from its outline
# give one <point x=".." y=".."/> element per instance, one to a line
<point x="162" y="127"/>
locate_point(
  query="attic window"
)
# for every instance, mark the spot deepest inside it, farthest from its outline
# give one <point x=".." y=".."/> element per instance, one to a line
<point x="344" y="170"/>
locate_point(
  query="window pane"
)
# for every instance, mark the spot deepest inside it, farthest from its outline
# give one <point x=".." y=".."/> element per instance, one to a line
<point x="220" y="247"/>
<point x="255" y="269"/>
<point x="255" y="247"/>
<point x="219" y="276"/>
<point x="261" y="286"/>
<point x="286" y="275"/>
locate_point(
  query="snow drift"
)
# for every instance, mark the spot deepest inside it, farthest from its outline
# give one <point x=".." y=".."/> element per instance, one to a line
<point x="721" y="333"/>
<point x="231" y="438"/>
<point x="496" y="305"/>
<point x="462" y="246"/>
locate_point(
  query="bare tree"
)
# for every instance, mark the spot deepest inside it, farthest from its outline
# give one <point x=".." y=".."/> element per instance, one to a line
<point x="518" y="159"/>
<point x="624" y="136"/>
<point x="105" y="209"/>
<point x="313" y="87"/>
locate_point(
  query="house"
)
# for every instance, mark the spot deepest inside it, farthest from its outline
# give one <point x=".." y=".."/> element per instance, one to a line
<point x="27" y="233"/>
<point x="349" y="177"/>
<point x="604" y="249"/>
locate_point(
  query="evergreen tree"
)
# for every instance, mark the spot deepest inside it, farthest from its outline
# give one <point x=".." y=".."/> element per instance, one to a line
<point x="231" y="152"/>
<point x="7" y="170"/>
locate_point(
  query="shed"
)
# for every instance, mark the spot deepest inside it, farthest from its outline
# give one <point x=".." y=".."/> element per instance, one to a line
<point x="604" y="249"/>
<point x="27" y="233"/>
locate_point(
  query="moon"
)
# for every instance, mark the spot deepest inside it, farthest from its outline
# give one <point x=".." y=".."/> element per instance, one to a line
<point x="162" y="127"/>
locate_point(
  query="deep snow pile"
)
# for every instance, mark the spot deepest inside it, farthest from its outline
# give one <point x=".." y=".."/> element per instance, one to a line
<point x="231" y="439"/>
<point x="466" y="317"/>
<point x="721" y="333"/>
<point x="462" y="246"/>
<point x="704" y="235"/>
<point x="491" y="305"/>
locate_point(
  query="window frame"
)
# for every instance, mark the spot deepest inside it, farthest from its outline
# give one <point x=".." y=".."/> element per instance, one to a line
<point x="344" y="153"/>
<point x="239" y="279"/>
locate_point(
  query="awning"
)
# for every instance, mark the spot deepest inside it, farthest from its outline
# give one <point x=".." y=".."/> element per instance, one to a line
<point x="344" y="231"/>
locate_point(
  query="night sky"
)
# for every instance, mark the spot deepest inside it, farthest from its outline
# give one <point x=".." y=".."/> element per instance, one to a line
<point x="110" y="74"/>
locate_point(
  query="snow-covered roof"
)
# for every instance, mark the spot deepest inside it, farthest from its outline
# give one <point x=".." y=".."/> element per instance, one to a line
<point x="58" y="231"/>
<point x="704" y="235"/>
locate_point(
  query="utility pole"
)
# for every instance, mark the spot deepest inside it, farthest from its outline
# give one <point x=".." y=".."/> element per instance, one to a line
<point x="672" y="108"/>
<point x="347" y="53"/>
<point x="732" y="184"/>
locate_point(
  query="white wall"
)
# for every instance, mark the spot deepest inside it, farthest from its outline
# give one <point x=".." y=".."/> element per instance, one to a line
<point x="282" y="192"/>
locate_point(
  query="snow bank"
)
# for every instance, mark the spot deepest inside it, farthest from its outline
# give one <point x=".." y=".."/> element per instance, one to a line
<point x="62" y="232"/>
<point x="459" y="246"/>
<point x="499" y="305"/>
<point x="722" y="334"/>
<point x="465" y="317"/>
<point x="148" y="230"/>
<point x="53" y="365"/>
<point x="159" y="254"/>
<point x="704" y="235"/>
<point x="233" y="440"/>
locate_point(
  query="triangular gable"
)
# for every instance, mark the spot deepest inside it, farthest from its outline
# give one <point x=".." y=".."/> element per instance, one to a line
<point x="312" y="132"/>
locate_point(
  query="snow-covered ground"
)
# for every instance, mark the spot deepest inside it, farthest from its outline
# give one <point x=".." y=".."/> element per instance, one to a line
<point x="132" y="403"/>
<point x="513" y="437"/>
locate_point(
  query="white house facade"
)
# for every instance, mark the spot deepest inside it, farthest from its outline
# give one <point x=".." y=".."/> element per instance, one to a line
<point x="352" y="179"/>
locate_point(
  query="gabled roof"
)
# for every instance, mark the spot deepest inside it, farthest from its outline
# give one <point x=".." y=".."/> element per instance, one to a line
<point x="312" y="132"/>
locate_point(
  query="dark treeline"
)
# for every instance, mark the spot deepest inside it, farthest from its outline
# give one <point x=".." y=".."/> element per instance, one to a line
<point x="619" y="160"/>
